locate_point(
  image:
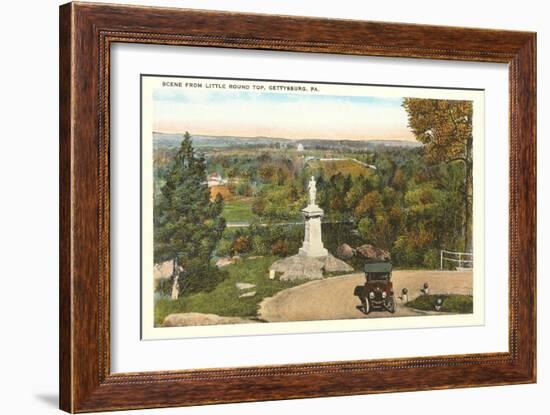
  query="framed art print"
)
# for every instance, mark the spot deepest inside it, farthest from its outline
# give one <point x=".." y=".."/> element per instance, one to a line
<point x="341" y="207"/>
<point x="308" y="186"/>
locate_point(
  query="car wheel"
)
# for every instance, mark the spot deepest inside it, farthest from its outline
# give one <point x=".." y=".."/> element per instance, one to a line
<point x="391" y="305"/>
<point x="367" y="306"/>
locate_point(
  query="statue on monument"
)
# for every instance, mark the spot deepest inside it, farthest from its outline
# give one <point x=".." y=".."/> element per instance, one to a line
<point x="313" y="244"/>
<point x="312" y="187"/>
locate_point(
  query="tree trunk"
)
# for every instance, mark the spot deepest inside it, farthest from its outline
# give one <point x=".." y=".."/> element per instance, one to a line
<point x="467" y="242"/>
<point x="175" y="284"/>
<point x="467" y="195"/>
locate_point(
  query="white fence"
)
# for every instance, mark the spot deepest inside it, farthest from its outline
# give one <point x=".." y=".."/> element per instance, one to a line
<point x="459" y="260"/>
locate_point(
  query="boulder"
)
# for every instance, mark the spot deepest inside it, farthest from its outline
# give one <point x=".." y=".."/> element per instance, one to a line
<point x="248" y="294"/>
<point x="244" y="285"/>
<point x="163" y="270"/>
<point x="225" y="261"/>
<point x="199" y="319"/>
<point x="333" y="264"/>
<point x="371" y="252"/>
<point x="345" y="251"/>
<point x="298" y="267"/>
<point x="302" y="267"/>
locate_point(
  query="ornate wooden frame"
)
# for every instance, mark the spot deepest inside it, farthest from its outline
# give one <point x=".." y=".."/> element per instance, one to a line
<point x="86" y="33"/>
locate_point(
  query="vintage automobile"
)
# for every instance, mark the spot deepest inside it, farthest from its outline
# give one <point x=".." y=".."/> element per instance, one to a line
<point x="377" y="293"/>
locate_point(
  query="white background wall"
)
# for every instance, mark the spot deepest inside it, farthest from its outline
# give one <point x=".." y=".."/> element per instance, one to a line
<point x="28" y="219"/>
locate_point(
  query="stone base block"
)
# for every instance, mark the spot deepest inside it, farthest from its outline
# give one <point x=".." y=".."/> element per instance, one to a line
<point x="298" y="267"/>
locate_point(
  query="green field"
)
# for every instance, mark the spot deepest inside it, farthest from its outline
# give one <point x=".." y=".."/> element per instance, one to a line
<point x="238" y="210"/>
<point x="343" y="167"/>
<point x="224" y="299"/>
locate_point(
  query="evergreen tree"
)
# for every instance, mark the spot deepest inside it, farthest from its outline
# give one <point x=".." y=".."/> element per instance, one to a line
<point x="188" y="225"/>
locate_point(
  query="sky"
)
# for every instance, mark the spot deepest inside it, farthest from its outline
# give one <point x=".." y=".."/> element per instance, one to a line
<point x="280" y="115"/>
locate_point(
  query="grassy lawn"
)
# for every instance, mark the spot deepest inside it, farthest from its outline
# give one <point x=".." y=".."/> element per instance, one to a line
<point x="454" y="303"/>
<point x="238" y="210"/>
<point x="224" y="299"/>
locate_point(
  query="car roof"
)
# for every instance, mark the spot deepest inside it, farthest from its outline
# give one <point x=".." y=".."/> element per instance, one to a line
<point x="378" y="267"/>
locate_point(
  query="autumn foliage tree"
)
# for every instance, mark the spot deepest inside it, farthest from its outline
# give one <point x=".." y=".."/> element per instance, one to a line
<point x="445" y="128"/>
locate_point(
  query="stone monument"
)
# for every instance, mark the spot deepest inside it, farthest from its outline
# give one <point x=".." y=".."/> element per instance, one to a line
<point x="313" y="258"/>
<point x="313" y="244"/>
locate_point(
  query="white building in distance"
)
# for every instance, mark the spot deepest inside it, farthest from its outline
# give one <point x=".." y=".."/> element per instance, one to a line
<point x="215" y="179"/>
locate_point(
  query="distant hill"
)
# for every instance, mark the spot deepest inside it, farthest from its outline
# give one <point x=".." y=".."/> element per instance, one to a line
<point x="173" y="140"/>
<point x="163" y="140"/>
<point x="396" y="143"/>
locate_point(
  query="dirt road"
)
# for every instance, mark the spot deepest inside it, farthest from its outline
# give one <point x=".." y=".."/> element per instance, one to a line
<point x="332" y="298"/>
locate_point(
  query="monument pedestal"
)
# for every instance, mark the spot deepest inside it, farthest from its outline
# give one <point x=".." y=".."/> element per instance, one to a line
<point x="313" y="245"/>
<point x="313" y="260"/>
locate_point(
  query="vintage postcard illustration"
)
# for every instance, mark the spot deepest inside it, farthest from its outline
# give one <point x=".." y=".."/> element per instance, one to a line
<point x="295" y="207"/>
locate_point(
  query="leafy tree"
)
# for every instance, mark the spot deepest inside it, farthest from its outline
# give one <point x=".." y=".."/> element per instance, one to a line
<point x="188" y="225"/>
<point x="369" y="205"/>
<point x="365" y="227"/>
<point x="385" y="169"/>
<point x="445" y="127"/>
<point x="356" y="192"/>
<point x="294" y="194"/>
<point x="266" y="172"/>
<point x="244" y="188"/>
<point x="398" y="181"/>
<point x="258" y="206"/>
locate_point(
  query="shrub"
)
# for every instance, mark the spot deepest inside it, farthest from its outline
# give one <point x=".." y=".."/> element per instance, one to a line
<point x="224" y="247"/>
<point x="241" y="245"/>
<point x="200" y="278"/>
<point x="454" y="303"/>
<point x="244" y="189"/>
<point x="260" y="246"/>
<point x="459" y="303"/>
<point x="280" y="248"/>
<point x="164" y="287"/>
<point x="195" y="279"/>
